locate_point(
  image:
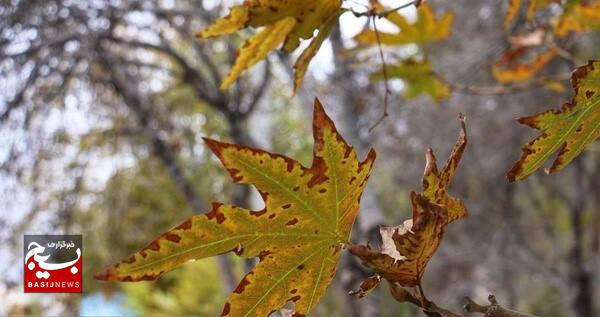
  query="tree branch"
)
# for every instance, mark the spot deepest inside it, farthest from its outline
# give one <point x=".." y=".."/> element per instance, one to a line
<point x="493" y="309"/>
<point x="133" y="101"/>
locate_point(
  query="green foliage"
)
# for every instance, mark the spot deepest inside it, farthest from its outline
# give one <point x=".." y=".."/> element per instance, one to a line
<point x="192" y="290"/>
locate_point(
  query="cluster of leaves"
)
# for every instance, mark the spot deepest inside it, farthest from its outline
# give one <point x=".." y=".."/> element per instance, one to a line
<point x="568" y="130"/>
<point x="415" y="71"/>
<point x="309" y="212"/>
<point x="284" y="23"/>
<point x="575" y="125"/>
<point x="535" y="47"/>
<point x="307" y="218"/>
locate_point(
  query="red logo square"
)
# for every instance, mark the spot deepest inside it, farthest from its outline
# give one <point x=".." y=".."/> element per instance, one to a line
<point x="52" y="263"/>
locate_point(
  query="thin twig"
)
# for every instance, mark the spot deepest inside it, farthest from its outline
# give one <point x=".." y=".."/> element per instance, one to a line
<point x="373" y="13"/>
<point x="424" y="301"/>
<point x="385" y="78"/>
<point x="506" y="89"/>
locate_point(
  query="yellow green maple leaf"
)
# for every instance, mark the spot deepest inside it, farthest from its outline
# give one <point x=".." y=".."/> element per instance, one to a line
<point x="406" y="249"/>
<point x="308" y="215"/>
<point x="568" y="130"/>
<point x="285" y="23"/>
<point x="418" y="77"/>
<point x="427" y="28"/>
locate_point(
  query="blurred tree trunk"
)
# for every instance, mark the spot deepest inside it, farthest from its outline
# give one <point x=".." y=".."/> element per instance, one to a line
<point x="579" y="274"/>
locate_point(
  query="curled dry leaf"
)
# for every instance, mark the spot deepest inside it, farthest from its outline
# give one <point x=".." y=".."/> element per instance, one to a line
<point x="407" y="248"/>
<point x="366" y="286"/>
<point x="284" y="22"/>
<point x="298" y="236"/>
<point x="416" y="240"/>
<point x="568" y="130"/>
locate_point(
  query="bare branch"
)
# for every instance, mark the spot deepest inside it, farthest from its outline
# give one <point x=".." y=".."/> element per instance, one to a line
<point x="493" y="309"/>
<point x="18" y="98"/>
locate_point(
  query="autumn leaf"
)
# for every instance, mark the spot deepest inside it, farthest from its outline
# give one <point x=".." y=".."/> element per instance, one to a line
<point x="366" y="286"/>
<point x="418" y="77"/>
<point x="427" y="28"/>
<point x="514" y="7"/>
<point x="435" y="183"/>
<point x="406" y="249"/>
<point x="508" y="69"/>
<point x="284" y="23"/>
<point x="308" y="215"/>
<point x="567" y="130"/>
<point x="579" y="17"/>
<point x="301" y="64"/>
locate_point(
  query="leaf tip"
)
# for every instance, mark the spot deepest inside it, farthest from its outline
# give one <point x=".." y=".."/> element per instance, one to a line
<point x="320" y="117"/>
<point x="102" y="276"/>
<point x="214" y="145"/>
<point x="371" y="155"/>
<point x="430" y="163"/>
<point x="512" y="175"/>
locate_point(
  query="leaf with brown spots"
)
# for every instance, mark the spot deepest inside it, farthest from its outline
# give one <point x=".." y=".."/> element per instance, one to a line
<point x="406" y="249"/>
<point x="412" y="244"/>
<point x="568" y="130"/>
<point x="285" y="23"/>
<point x="435" y="183"/>
<point x="308" y="215"/>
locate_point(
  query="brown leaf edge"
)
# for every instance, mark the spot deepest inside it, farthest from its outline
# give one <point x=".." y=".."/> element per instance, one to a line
<point x="515" y="172"/>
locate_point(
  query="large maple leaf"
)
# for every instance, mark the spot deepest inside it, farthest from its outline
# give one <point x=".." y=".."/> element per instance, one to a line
<point x="298" y="236"/>
<point x="568" y="130"/>
<point x="284" y="22"/>
<point x="406" y="249"/>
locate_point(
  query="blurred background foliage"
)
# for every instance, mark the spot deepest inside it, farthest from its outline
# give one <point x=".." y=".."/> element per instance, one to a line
<point x="104" y="104"/>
